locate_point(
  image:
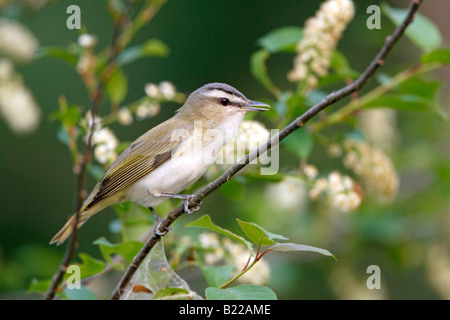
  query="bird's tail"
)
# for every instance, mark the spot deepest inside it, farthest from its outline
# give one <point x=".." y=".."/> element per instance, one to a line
<point x="67" y="230"/>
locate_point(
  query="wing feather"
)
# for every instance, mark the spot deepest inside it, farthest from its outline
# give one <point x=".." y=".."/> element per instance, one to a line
<point x="143" y="156"/>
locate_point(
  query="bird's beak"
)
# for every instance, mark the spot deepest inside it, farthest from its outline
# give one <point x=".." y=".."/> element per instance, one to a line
<point x="256" y="106"/>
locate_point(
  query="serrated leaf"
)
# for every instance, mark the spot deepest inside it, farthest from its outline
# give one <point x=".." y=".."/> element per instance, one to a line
<point x="300" y="143"/>
<point x="117" y="86"/>
<point x="258" y="234"/>
<point x="241" y="292"/>
<point x="258" y="69"/>
<point x="205" y="222"/>
<point x="422" y="31"/>
<point x="440" y="56"/>
<point x="283" y="39"/>
<point x="300" y="247"/>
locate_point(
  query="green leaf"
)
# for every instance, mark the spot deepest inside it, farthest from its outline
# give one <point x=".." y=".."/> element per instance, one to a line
<point x="341" y="66"/>
<point x="419" y="87"/>
<point x="39" y="286"/>
<point x="300" y="143"/>
<point x="205" y="222"/>
<point x="90" y="266"/>
<point x="216" y="276"/>
<point x="407" y="102"/>
<point x="128" y="250"/>
<point x="422" y="31"/>
<point x="68" y="115"/>
<point x="258" y="234"/>
<point x="258" y="69"/>
<point x="440" y="56"/>
<point x="79" y="294"/>
<point x="59" y="53"/>
<point x="283" y="39"/>
<point x="172" y="293"/>
<point x="151" y="48"/>
<point x="117" y="86"/>
<point x="299" y="247"/>
<point x="241" y="292"/>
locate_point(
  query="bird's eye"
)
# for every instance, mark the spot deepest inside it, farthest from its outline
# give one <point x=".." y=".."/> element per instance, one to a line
<point x="224" y="102"/>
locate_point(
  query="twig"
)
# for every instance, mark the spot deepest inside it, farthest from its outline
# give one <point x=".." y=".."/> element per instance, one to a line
<point x="294" y="125"/>
<point x="96" y="98"/>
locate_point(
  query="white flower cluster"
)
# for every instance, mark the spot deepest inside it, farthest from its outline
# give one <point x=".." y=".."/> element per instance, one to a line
<point x="340" y="192"/>
<point x="320" y="37"/>
<point x="250" y="135"/>
<point x="235" y="254"/>
<point x="147" y="110"/>
<point x="373" y="167"/>
<point x="379" y="126"/>
<point x="290" y="194"/>
<point x="17" y="105"/>
<point x="105" y="143"/>
<point x="164" y="91"/>
<point x="16" y="41"/>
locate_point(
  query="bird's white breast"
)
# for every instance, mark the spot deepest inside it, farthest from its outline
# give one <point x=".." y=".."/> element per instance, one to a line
<point x="186" y="167"/>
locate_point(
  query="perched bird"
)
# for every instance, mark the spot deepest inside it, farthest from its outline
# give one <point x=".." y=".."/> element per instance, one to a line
<point x="171" y="156"/>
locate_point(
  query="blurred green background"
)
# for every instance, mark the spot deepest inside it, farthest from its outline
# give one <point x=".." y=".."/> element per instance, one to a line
<point x="213" y="41"/>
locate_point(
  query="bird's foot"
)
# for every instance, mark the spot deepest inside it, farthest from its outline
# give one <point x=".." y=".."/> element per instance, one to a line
<point x="159" y="220"/>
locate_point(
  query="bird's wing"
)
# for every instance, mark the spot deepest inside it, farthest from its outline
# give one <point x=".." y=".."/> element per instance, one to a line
<point x="143" y="156"/>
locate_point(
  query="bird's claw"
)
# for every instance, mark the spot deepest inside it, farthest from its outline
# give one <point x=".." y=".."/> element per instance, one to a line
<point x="193" y="208"/>
<point x="158" y="230"/>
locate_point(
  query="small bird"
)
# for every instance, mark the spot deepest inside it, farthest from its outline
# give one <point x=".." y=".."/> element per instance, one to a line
<point x="171" y="156"/>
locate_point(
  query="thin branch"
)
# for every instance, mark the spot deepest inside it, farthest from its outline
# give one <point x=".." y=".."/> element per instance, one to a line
<point x="96" y="98"/>
<point x="377" y="62"/>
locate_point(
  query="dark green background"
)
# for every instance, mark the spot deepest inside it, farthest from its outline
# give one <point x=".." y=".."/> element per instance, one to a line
<point x="209" y="41"/>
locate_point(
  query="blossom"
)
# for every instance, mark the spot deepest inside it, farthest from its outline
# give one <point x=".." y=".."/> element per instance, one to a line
<point x="164" y="91"/>
<point x="167" y="90"/>
<point x="379" y="126"/>
<point x="340" y="192"/>
<point x="251" y="134"/>
<point x="16" y="41"/>
<point x="17" y="105"/>
<point x="374" y="167"/>
<point x="236" y="254"/>
<point x="290" y="193"/>
<point x="320" y="37"/>
<point x="147" y="110"/>
<point x="105" y="144"/>
<point x="87" y="40"/>
<point x="124" y="116"/>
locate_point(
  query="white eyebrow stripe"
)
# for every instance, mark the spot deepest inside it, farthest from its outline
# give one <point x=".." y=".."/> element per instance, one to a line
<point x="217" y="94"/>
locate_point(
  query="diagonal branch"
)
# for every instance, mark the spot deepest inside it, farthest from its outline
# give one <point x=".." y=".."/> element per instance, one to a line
<point x="375" y="64"/>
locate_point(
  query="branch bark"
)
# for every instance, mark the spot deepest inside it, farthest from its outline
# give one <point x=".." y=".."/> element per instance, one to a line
<point x="375" y="64"/>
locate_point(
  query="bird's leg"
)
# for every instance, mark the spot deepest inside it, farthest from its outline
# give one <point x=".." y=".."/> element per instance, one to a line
<point x="159" y="220"/>
<point x="185" y="197"/>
